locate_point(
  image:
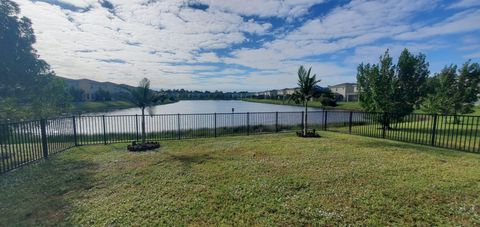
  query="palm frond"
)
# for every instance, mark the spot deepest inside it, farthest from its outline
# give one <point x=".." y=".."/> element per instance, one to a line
<point x="306" y="84"/>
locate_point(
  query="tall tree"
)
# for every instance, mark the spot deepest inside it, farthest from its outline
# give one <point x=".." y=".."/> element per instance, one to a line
<point x="453" y="91"/>
<point x="25" y="80"/>
<point x="412" y="73"/>
<point x="307" y="90"/>
<point x="376" y="85"/>
<point x="144" y="98"/>
<point x="390" y="88"/>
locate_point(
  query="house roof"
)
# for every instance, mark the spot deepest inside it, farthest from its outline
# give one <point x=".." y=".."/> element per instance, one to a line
<point x="344" y="84"/>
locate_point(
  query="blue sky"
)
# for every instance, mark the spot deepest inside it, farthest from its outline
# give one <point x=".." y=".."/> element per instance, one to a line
<point x="245" y="45"/>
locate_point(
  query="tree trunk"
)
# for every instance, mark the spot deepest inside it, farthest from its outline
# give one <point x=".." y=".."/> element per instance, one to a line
<point x="456" y="120"/>
<point x="386" y="121"/>
<point x="143" y="125"/>
<point x="305" y="127"/>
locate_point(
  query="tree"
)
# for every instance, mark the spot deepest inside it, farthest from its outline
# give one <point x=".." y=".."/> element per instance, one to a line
<point x="412" y="73"/>
<point x="28" y="88"/>
<point x="77" y="94"/>
<point x="102" y="95"/>
<point x="390" y="88"/>
<point x="441" y="90"/>
<point x="144" y="98"/>
<point x="306" y="91"/>
<point x="453" y="91"/>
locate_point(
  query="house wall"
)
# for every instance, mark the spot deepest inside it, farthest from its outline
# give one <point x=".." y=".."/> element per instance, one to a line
<point x="345" y="92"/>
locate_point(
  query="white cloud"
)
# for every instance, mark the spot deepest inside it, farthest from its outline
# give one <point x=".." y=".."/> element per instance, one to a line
<point x="263" y="8"/>
<point x="177" y="46"/>
<point x="464" y="4"/>
<point x="372" y="53"/>
<point x="475" y="55"/>
<point x="458" y="23"/>
<point x="357" y="23"/>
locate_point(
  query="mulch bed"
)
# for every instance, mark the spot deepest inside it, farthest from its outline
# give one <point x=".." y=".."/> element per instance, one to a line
<point x="309" y="134"/>
<point x="150" y="145"/>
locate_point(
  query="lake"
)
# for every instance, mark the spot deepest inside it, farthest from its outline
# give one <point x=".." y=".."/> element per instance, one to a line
<point x="189" y="119"/>
<point x="208" y="106"/>
<point x="196" y="114"/>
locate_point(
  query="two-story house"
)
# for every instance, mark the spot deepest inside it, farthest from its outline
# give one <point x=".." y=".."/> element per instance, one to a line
<point x="347" y="92"/>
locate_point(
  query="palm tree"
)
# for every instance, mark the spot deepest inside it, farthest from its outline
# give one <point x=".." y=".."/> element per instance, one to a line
<point x="144" y="98"/>
<point x="307" y="89"/>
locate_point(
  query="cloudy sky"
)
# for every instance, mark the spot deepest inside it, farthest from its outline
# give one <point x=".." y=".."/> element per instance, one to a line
<point x="244" y="44"/>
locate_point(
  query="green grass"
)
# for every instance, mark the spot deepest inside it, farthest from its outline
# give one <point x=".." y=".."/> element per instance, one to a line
<point x="349" y="106"/>
<point x="315" y="104"/>
<point x="476" y="110"/>
<point x="464" y="135"/>
<point x="257" y="180"/>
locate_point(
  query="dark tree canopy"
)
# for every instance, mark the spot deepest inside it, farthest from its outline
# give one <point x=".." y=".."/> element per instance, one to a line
<point x="77" y="94"/>
<point x="28" y="88"/>
<point x="390" y="88"/>
<point x="453" y="91"/>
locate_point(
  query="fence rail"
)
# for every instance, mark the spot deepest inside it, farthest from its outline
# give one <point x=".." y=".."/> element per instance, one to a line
<point x="23" y="143"/>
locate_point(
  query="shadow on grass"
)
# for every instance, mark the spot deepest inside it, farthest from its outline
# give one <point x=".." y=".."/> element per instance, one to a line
<point x="189" y="159"/>
<point x="42" y="194"/>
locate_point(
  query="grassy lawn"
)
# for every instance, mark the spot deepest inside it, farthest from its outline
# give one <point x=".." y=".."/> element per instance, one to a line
<point x="257" y="180"/>
<point x="315" y="104"/>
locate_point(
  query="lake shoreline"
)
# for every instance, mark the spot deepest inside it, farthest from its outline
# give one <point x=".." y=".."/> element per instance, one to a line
<point x="352" y="106"/>
<point x="100" y="107"/>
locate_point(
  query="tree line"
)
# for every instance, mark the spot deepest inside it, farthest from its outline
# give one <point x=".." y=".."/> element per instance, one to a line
<point x="403" y="87"/>
<point x="28" y="87"/>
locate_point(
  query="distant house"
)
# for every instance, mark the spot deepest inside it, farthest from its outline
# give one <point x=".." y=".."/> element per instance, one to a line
<point x="286" y="91"/>
<point x="347" y="92"/>
<point x="275" y="94"/>
<point x="90" y="87"/>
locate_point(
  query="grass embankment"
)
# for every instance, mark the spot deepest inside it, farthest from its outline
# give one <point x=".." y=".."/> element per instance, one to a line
<point x="314" y="104"/>
<point x="82" y="107"/>
<point x="256" y="180"/>
<point x="99" y="106"/>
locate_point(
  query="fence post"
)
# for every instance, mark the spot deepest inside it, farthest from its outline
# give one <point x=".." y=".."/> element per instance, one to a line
<point x="215" y="124"/>
<point x="74" y="124"/>
<point x="325" y="114"/>
<point x="350" y="122"/>
<point x="434" y="129"/>
<point x="276" y="121"/>
<point x="104" y="130"/>
<point x="136" y="127"/>
<point x="384" y="127"/>
<point x="178" y="126"/>
<point x="248" y="123"/>
<point x="43" y="128"/>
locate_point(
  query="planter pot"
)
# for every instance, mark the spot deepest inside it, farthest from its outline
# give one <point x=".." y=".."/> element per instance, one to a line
<point x="150" y="145"/>
<point x="311" y="133"/>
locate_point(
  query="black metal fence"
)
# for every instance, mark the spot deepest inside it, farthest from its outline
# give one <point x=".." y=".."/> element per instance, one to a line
<point x="27" y="142"/>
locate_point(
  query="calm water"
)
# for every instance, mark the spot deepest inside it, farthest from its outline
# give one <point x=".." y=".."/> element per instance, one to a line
<point x="196" y="115"/>
<point x="209" y="106"/>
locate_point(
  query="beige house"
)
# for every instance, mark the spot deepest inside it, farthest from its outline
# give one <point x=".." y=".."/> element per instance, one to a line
<point x="347" y="92"/>
<point x="286" y="91"/>
<point x="275" y="93"/>
<point x="90" y="87"/>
